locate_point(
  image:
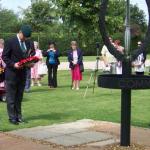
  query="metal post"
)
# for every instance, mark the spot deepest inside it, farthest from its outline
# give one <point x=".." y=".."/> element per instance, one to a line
<point x="125" y="108"/>
<point x="126" y="93"/>
<point x="127" y="30"/>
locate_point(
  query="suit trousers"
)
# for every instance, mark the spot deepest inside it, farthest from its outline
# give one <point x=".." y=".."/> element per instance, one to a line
<point x="14" y="96"/>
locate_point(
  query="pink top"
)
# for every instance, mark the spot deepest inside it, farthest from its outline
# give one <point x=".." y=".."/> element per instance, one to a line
<point x="35" y="69"/>
<point x="38" y="53"/>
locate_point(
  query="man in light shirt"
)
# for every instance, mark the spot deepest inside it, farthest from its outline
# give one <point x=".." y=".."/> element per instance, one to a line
<point x="109" y="59"/>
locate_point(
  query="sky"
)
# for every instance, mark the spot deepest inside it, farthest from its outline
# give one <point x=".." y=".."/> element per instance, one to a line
<point x="142" y="5"/>
<point x="15" y="4"/>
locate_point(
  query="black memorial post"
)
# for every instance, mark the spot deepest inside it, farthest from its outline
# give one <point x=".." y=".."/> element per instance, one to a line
<point x="126" y="93"/>
<point x="126" y="82"/>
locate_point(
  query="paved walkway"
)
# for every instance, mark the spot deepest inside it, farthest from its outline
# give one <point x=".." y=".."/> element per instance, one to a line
<point x="87" y="65"/>
<point x="83" y="134"/>
<point x="91" y="65"/>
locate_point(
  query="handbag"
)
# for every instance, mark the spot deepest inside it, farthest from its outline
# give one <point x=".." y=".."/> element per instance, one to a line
<point x="82" y="68"/>
<point x="42" y="69"/>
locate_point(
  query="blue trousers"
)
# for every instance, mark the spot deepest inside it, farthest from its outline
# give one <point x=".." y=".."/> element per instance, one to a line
<point x="28" y="79"/>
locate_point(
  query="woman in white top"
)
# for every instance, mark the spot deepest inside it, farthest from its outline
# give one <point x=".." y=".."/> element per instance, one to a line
<point x="108" y="59"/>
<point x="75" y="58"/>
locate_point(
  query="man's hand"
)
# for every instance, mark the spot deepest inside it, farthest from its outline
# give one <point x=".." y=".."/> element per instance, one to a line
<point x="17" y="66"/>
<point x="30" y="65"/>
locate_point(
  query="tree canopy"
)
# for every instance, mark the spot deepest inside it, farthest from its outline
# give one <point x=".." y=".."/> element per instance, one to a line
<point x="85" y="12"/>
<point x="9" y="21"/>
<point x="40" y="15"/>
<point x="66" y="20"/>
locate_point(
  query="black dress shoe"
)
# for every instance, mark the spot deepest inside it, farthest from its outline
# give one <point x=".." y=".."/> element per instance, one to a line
<point x="21" y="121"/>
<point x="13" y="121"/>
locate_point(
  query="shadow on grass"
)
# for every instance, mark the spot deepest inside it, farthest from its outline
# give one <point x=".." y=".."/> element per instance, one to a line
<point x="141" y="124"/>
<point x="51" y="116"/>
<point x="64" y="86"/>
<point x="40" y="90"/>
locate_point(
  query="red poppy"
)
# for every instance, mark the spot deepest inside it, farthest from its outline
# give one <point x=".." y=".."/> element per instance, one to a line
<point x="32" y="59"/>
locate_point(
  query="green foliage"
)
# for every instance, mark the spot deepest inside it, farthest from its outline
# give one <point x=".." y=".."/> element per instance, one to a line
<point x="40" y="15"/>
<point x="66" y="20"/>
<point x="138" y="18"/>
<point x="81" y="19"/>
<point x="9" y="21"/>
<point x="85" y="13"/>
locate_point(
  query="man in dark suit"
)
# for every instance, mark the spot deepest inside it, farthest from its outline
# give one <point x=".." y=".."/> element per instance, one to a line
<point x="15" y="49"/>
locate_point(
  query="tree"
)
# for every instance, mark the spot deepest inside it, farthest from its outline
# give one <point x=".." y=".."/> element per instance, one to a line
<point x="40" y="15"/>
<point x="86" y="13"/>
<point x="138" y="17"/>
<point x="9" y="21"/>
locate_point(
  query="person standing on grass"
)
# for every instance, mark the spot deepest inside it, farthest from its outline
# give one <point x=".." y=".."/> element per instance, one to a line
<point x="139" y="61"/>
<point x="52" y="63"/>
<point x="16" y="49"/>
<point x="75" y="58"/>
<point x="2" y="64"/>
<point x="108" y="59"/>
<point x="36" y="78"/>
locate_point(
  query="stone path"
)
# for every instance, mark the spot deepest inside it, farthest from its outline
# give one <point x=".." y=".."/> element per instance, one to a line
<point x="87" y="65"/>
<point x="91" y="65"/>
<point x="79" y="135"/>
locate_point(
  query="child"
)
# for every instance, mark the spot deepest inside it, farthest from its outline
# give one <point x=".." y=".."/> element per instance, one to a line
<point x="36" y="78"/>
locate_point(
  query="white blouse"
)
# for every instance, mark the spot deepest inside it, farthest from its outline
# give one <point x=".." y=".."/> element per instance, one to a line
<point x="75" y="56"/>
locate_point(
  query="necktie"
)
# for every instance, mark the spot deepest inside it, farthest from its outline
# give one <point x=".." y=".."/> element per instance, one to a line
<point x="22" y="47"/>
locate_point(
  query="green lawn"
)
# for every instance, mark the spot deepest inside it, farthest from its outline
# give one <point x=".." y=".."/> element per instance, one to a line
<point x="44" y="106"/>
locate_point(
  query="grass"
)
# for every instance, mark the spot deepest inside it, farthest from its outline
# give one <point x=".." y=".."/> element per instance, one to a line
<point x="44" y="106"/>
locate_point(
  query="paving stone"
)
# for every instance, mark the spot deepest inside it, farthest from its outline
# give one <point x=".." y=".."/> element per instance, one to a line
<point x="93" y="136"/>
<point x="39" y="135"/>
<point x="46" y="133"/>
<point x="68" y="134"/>
<point x="66" y="131"/>
<point x="74" y="136"/>
<point x="79" y="138"/>
<point x="43" y="132"/>
<point x="67" y="140"/>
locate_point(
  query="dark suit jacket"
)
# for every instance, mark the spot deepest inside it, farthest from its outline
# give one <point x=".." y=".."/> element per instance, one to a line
<point x="80" y="58"/>
<point x="57" y="55"/>
<point x="12" y="53"/>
